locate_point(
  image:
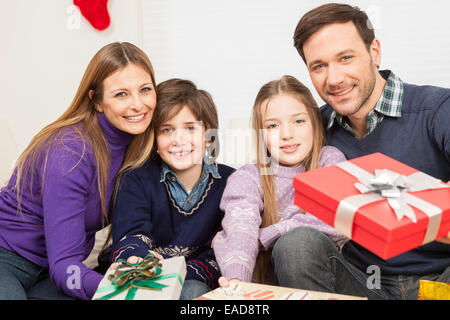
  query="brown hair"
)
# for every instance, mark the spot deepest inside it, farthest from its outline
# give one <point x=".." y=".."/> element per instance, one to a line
<point x="81" y="117"/>
<point x="173" y="95"/>
<point x="286" y="85"/>
<point x="331" y="13"/>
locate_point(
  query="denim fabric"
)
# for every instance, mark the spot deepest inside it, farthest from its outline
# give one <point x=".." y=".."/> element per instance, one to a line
<point x="193" y="289"/>
<point x="306" y="258"/>
<point x="21" y="279"/>
<point x="186" y="201"/>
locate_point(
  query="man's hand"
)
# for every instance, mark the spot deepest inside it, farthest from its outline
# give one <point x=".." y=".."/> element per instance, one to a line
<point x="445" y="239"/>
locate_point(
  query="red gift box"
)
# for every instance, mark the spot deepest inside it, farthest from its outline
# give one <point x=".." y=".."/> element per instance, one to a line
<point x="374" y="225"/>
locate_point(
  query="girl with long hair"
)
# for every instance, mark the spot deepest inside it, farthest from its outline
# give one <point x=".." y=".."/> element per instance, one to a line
<point x="258" y="198"/>
<point x="58" y="195"/>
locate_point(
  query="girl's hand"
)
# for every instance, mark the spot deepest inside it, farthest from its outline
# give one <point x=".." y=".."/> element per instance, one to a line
<point x="231" y="287"/>
<point x="225" y="283"/>
<point x="214" y="239"/>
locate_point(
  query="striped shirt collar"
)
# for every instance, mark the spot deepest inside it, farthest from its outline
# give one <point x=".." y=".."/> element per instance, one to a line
<point x="389" y="104"/>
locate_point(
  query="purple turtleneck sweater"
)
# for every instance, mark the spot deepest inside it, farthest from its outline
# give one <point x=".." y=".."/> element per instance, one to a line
<point x="59" y="218"/>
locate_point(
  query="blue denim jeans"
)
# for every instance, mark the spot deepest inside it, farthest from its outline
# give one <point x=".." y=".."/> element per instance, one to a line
<point x="193" y="289"/>
<point x="306" y="258"/>
<point x="21" y="279"/>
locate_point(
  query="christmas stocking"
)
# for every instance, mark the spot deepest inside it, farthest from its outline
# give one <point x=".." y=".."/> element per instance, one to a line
<point x="95" y="11"/>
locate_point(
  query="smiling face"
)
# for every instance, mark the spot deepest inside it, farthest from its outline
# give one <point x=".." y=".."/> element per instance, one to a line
<point x="288" y="129"/>
<point x="181" y="143"/>
<point x="129" y="99"/>
<point x="342" y="69"/>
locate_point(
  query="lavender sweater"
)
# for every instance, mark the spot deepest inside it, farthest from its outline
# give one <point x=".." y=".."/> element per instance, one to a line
<point x="57" y="226"/>
<point x="236" y="247"/>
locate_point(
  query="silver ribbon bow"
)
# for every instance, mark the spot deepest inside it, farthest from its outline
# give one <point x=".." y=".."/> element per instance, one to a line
<point x="393" y="187"/>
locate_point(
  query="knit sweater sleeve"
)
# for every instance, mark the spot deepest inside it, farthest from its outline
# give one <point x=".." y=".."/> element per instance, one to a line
<point x="236" y="247"/>
<point x="329" y="156"/>
<point x="292" y="216"/>
<point x="203" y="267"/>
<point x="66" y="179"/>
<point x="131" y="221"/>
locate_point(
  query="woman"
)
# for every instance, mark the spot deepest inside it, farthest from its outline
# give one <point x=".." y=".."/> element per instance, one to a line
<point x="58" y="196"/>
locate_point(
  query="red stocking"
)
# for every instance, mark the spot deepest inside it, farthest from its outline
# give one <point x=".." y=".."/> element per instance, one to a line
<point x="95" y="11"/>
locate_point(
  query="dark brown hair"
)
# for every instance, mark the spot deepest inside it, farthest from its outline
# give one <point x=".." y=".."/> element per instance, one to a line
<point x="173" y="95"/>
<point x="331" y="13"/>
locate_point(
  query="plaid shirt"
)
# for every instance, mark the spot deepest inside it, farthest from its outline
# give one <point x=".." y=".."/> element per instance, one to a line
<point x="389" y="104"/>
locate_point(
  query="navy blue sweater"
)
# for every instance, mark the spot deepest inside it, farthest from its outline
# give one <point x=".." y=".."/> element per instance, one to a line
<point x="145" y="217"/>
<point x="420" y="138"/>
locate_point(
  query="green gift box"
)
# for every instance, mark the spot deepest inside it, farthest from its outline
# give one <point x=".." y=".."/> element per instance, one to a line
<point x="149" y="279"/>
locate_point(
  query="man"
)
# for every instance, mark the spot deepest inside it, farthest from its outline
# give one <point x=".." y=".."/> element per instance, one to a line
<point x="368" y="111"/>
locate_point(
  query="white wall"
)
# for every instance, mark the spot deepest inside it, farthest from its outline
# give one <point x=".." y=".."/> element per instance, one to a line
<point x="229" y="48"/>
<point x="46" y="46"/>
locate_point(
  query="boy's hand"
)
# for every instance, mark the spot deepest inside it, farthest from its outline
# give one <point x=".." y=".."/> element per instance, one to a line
<point x="157" y="255"/>
<point x="134" y="260"/>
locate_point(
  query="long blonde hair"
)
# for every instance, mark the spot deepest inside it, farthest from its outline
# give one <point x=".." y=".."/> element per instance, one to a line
<point x="286" y="85"/>
<point x="81" y="117"/>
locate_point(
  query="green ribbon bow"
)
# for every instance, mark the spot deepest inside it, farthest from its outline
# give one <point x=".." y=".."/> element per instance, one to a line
<point x="141" y="275"/>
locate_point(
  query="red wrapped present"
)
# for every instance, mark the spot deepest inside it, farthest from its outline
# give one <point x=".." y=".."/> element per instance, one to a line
<point x="380" y="203"/>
